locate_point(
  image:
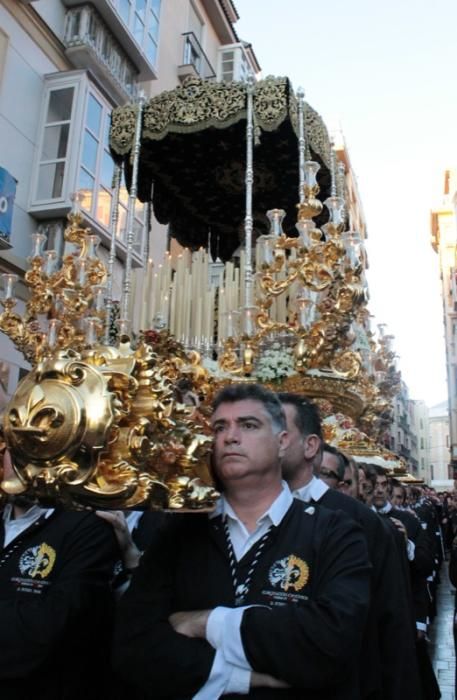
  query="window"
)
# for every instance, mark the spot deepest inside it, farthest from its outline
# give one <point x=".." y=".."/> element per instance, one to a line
<point x="142" y="18"/>
<point x="73" y="155"/>
<point x="3" y="51"/>
<point x="422" y="443"/>
<point x="233" y="63"/>
<point x="54" y="148"/>
<point x="97" y="169"/>
<point x="227" y="66"/>
<point x="96" y="165"/>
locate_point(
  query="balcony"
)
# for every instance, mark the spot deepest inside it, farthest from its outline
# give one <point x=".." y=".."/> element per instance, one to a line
<point x="405" y="452"/>
<point x="90" y="45"/>
<point x="195" y="62"/>
<point x="144" y="69"/>
<point x="403" y="422"/>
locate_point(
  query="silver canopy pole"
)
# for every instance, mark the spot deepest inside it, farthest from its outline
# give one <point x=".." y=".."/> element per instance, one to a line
<point x="117" y="180"/>
<point x="131" y="214"/>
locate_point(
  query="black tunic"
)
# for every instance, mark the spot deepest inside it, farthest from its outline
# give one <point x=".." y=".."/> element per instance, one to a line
<point x="309" y="635"/>
<point x="388" y="659"/>
<point x="56" y="609"/>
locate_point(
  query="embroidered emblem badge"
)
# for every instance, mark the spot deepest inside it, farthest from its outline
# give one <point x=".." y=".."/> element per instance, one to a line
<point x="37" y="561"/>
<point x="290" y="573"/>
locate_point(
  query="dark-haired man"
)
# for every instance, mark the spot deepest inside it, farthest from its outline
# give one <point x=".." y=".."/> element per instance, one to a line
<point x="382" y="667"/>
<point x="265" y="598"/>
<point x="55" y="601"/>
<point x="332" y="466"/>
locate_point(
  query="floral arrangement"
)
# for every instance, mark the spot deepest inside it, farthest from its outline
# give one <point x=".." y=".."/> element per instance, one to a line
<point x="275" y="364"/>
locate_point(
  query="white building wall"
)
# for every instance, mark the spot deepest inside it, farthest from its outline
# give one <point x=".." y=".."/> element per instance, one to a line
<point x="20" y="99"/>
<point x="439" y="447"/>
<point x="53" y="14"/>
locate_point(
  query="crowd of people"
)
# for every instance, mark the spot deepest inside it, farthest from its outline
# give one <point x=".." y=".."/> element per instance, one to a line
<point x="314" y="578"/>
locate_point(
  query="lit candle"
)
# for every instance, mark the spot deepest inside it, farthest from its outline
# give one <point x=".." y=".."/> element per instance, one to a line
<point x="52" y="336"/>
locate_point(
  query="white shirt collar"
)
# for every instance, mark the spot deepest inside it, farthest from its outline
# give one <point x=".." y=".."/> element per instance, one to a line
<point x="13" y="528"/>
<point x="385" y="509"/>
<point x="275" y="513"/>
<point x="242" y="540"/>
<point x="312" y="491"/>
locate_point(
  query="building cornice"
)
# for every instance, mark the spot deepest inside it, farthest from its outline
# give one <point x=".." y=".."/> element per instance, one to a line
<point x="30" y="21"/>
<point x="221" y="18"/>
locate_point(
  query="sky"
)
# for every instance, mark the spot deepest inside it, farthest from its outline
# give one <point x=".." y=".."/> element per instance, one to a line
<point x="386" y="74"/>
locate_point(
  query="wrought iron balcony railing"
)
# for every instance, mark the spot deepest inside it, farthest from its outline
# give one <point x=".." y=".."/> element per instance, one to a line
<point x="91" y="45"/>
<point x="195" y="59"/>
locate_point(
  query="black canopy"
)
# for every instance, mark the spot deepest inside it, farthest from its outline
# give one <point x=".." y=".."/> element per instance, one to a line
<point x="193" y="158"/>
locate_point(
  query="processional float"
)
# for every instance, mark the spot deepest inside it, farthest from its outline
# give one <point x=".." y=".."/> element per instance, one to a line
<point x="265" y="289"/>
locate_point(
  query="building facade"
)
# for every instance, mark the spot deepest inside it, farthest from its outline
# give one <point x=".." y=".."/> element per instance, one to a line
<point x="419" y="412"/>
<point x="64" y="65"/>
<point x="440" y="469"/>
<point x="443" y="240"/>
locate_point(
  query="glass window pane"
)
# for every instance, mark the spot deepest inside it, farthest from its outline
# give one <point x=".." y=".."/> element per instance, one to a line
<point x="138" y="30"/>
<point x="139" y="210"/>
<point x="121" y="222"/>
<point x="151" y="50"/>
<point x="140" y="7"/>
<point x="74" y="24"/>
<point x="60" y="104"/>
<point x="124" y="10"/>
<point x="55" y="142"/>
<point x="50" y="181"/>
<point x="89" y="158"/>
<point x="92" y="30"/>
<point x="94" y="115"/>
<point x="86" y="188"/>
<point x="123" y="193"/>
<point x="103" y="210"/>
<point x="155" y="4"/>
<point x="137" y="231"/>
<point x="153" y="26"/>
<point x="107" y="130"/>
<point x="107" y="169"/>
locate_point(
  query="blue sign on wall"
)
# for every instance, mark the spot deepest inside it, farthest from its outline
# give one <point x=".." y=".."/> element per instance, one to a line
<point x="7" y="194"/>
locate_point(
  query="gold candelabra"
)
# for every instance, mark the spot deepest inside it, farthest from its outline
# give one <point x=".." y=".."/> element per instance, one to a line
<point x="93" y="424"/>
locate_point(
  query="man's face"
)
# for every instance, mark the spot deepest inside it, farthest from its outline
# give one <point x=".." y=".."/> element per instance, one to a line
<point x="328" y="471"/>
<point x="244" y="442"/>
<point x="365" y="489"/>
<point x="295" y="452"/>
<point x="301" y="450"/>
<point x="349" y="485"/>
<point x="380" y="492"/>
<point x="397" y="497"/>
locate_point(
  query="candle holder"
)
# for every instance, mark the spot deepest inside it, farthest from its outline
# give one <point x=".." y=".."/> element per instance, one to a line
<point x="38" y="241"/>
<point x="53" y="333"/>
<point x="9" y="283"/>
<point x="249" y="320"/>
<point x="335" y="225"/>
<point x="124" y="329"/>
<point x="276" y="217"/>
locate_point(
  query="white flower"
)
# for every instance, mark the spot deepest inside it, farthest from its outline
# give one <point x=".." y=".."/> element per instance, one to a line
<point x="275" y="363"/>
